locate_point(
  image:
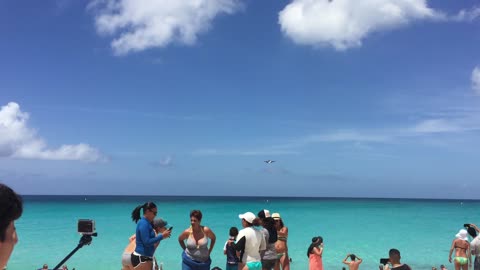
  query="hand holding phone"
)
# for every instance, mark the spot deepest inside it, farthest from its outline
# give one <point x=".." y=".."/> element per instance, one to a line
<point x="384" y="261"/>
<point x="170" y="229"/>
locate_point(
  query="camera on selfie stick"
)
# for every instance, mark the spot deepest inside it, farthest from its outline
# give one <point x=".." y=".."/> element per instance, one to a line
<point x="86" y="227"/>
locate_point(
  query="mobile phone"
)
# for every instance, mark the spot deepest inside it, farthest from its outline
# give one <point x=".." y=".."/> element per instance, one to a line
<point x="170" y="229"/>
<point x="384" y="261"/>
<point x="466" y="225"/>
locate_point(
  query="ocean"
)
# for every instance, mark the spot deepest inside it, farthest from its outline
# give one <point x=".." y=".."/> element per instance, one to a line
<point x="421" y="229"/>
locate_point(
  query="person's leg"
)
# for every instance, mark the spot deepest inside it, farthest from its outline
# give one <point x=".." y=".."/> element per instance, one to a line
<point x="457" y="264"/>
<point x="277" y="265"/>
<point x="145" y="266"/>
<point x="285" y="262"/>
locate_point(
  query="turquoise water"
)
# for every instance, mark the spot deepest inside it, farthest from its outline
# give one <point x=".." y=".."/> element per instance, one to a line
<point x="421" y="229"/>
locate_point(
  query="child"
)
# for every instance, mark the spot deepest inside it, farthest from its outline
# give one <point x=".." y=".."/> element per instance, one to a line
<point x="229" y="250"/>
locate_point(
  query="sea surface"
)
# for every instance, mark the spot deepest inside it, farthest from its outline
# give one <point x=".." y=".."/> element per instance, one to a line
<point x="421" y="229"/>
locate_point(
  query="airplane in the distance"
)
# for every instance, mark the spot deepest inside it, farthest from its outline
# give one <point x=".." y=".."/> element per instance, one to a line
<point x="269" y="161"/>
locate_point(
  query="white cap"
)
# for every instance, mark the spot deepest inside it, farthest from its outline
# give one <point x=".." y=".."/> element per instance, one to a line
<point x="462" y="234"/>
<point x="248" y="216"/>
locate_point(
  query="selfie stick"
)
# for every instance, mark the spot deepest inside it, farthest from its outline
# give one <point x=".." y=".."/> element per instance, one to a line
<point x="85" y="240"/>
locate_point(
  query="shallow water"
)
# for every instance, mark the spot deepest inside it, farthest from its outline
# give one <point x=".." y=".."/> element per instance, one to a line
<point x="421" y="229"/>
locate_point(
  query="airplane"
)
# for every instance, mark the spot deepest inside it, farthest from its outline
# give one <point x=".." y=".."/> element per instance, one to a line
<point x="269" y="161"/>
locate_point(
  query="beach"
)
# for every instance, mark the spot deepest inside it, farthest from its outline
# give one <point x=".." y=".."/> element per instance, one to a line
<point x="421" y="229"/>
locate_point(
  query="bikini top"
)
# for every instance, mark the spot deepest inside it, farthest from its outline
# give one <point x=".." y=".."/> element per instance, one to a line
<point x="460" y="247"/>
<point x="197" y="250"/>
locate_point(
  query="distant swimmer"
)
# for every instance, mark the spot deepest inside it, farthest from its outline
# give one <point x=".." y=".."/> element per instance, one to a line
<point x="269" y="161"/>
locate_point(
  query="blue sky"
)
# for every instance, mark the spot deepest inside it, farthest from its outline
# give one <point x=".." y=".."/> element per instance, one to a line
<point x="378" y="98"/>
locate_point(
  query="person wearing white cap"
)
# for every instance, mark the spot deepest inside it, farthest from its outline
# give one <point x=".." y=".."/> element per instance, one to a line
<point x="281" y="244"/>
<point x="250" y="242"/>
<point x="462" y="251"/>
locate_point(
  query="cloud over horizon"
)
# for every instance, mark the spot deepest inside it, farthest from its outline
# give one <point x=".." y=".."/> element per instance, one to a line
<point x="144" y="24"/>
<point x="344" y="24"/>
<point x="17" y="140"/>
<point x="476" y="80"/>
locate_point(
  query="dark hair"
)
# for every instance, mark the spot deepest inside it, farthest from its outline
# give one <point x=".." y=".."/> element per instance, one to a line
<point x="394" y="252"/>
<point x="146" y="206"/>
<point x="233" y="231"/>
<point x="196" y="214"/>
<point x="261" y="214"/>
<point x="269" y="224"/>
<point x="280" y="223"/>
<point x="353" y="257"/>
<point x="317" y="240"/>
<point x="11" y="208"/>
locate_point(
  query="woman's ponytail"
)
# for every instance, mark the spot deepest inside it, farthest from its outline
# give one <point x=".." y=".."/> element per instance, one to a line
<point x="136" y="212"/>
<point x="146" y="206"/>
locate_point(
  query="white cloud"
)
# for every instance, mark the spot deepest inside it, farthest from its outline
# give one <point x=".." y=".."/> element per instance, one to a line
<point x="467" y="15"/>
<point x="236" y="152"/>
<point x="143" y="24"/>
<point x="164" y="162"/>
<point x="343" y="24"/>
<point x="476" y="80"/>
<point x="17" y="140"/>
<point x="436" y="126"/>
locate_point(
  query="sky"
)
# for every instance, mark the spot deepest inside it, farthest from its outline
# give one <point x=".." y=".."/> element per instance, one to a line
<point x="371" y="98"/>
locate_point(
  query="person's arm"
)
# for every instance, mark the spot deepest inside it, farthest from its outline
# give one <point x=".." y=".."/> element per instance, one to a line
<point x="468" y="255"/>
<point x="225" y="247"/>
<point x="318" y="251"/>
<point x="345" y="260"/>
<point x="451" y="250"/>
<point x="182" y="237"/>
<point x="359" y="260"/>
<point x="475" y="227"/>
<point x="212" y="237"/>
<point x="132" y="238"/>
<point x="263" y="244"/>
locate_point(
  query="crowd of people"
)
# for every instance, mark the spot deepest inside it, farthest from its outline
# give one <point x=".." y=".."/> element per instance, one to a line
<point x="261" y="244"/>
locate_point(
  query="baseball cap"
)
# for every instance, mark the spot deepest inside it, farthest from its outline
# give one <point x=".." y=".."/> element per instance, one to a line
<point x="248" y="216"/>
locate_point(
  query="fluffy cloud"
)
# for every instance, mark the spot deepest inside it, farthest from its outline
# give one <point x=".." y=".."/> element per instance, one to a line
<point x="476" y="80"/>
<point x="343" y="24"/>
<point x="17" y="140"/>
<point x="467" y="15"/>
<point x="143" y="24"/>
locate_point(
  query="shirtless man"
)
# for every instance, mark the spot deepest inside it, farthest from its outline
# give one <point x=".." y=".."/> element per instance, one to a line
<point x="354" y="262"/>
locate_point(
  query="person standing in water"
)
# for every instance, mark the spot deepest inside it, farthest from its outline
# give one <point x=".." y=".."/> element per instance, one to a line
<point x="145" y="238"/>
<point x="462" y="251"/>
<point x="281" y="244"/>
<point x="196" y="252"/>
<point x="354" y="262"/>
<point x="315" y="253"/>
